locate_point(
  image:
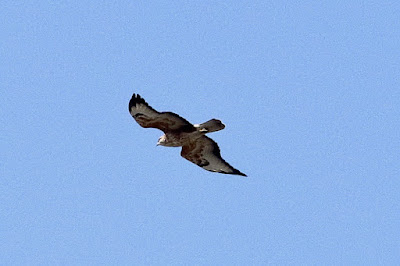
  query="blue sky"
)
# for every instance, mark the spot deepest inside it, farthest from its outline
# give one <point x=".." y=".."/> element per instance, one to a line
<point x="309" y="92"/>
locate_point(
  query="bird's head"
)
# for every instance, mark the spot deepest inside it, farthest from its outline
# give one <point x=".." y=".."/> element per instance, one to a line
<point x="162" y="140"/>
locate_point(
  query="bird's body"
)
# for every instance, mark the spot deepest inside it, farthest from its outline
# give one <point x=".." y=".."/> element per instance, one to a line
<point x="178" y="132"/>
<point x="179" y="139"/>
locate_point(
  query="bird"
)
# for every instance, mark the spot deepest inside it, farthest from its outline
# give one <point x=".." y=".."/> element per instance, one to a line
<point x="178" y="132"/>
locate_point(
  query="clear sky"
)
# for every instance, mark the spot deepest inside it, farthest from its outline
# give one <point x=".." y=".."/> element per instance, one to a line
<point x="310" y="95"/>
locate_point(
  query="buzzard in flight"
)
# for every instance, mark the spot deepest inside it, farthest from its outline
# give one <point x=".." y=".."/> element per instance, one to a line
<point x="196" y="146"/>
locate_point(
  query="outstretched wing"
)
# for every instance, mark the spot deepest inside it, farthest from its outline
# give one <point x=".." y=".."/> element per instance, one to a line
<point x="146" y="116"/>
<point x="205" y="153"/>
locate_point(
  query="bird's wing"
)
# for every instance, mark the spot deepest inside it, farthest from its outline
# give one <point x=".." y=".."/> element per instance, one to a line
<point x="205" y="153"/>
<point x="146" y="116"/>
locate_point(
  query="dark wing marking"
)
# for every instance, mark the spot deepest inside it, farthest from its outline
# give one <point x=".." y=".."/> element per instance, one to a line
<point x="146" y="116"/>
<point x="205" y="153"/>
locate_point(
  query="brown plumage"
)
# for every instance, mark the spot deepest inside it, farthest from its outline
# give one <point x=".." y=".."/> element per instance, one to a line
<point x="178" y="132"/>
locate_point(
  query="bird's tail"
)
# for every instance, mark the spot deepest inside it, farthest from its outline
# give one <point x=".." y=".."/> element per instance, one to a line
<point x="210" y="126"/>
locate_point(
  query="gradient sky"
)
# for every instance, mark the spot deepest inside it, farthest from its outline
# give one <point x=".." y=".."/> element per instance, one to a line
<point x="310" y="95"/>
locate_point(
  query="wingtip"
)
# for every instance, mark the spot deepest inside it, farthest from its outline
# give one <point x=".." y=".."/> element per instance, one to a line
<point x="240" y="173"/>
<point x="132" y="102"/>
<point x="136" y="98"/>
<point x="237" y="172"/>
<point x="234" y="172"/>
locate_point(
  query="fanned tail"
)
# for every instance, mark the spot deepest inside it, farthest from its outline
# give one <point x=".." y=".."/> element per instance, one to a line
<point x="210" y="126"/>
